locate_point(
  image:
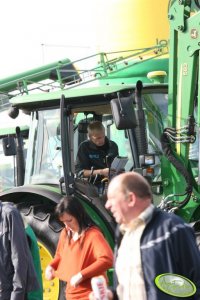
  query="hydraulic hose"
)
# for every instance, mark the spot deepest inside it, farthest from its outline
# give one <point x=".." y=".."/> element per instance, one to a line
<point x="166" y="146"/>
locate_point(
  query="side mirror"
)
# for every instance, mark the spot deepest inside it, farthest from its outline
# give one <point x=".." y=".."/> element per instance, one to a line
<point x="9" y="146"/>
<point x="123" y="113"/>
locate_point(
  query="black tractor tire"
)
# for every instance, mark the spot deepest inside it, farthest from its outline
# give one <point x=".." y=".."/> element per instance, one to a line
<point x="46" y="228"/>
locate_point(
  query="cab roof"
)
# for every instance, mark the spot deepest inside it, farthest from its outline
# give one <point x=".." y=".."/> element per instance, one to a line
<point x="76" y="95"/>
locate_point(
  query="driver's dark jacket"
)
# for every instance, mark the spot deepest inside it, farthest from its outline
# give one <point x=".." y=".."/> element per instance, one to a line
<point x="17" y="273"/>
<point x="89" y="155"/>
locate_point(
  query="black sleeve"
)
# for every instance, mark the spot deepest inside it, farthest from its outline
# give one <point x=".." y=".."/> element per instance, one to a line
<point x="188" y="256"/>
<point x="19" y="254"/>
<point x="82" y="160"/>
<point x="24" y="278"/>
<point x="114" y="150"/>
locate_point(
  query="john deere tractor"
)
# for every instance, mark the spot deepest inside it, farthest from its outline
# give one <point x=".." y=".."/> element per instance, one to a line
<point x="146" y="98"/>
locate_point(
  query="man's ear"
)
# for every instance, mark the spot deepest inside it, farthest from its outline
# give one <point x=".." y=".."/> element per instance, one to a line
<point x="131" y="200"/>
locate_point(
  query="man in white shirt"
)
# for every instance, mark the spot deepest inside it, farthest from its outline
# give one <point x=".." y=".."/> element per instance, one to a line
<point x="154" y="242"/>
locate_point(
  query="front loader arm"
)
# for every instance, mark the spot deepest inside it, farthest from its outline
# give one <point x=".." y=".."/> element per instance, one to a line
<point x="183" y="109"/>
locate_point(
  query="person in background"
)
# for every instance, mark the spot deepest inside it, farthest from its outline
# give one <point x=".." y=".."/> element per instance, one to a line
<point x="82" y="251"/>
<point x="154" y="242"/>
<point x="17" y="273"/>
<point x="96" y="154"/>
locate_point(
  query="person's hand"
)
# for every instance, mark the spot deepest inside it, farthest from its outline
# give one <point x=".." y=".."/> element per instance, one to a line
<point x="109" y="295"/>
<point x="49" y="273"/>
<point x="76" y="279"/>
<point x="105" y="172"/>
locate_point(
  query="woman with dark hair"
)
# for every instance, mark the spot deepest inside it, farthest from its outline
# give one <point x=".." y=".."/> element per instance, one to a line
<point x="82" y="251"/>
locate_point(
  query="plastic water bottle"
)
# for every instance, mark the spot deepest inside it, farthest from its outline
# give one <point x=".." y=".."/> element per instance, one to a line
<point x="99" y="288"/>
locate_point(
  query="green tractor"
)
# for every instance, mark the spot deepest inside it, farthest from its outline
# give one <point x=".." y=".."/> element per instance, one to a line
<point x="154" y="127"/>
<point x="58" y="121"/>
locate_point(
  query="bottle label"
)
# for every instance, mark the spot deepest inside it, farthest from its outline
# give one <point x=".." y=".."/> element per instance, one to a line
<point x="99" y="287"/>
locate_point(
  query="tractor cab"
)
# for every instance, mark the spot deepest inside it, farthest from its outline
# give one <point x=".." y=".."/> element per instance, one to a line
<point x="133" y="122"/>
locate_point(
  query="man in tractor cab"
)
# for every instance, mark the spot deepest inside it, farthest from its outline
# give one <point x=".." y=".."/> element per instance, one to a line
<point x="96" y="154"/>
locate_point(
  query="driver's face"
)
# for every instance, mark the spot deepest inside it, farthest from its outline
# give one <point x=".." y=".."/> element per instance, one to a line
<point x="98" y="138"/>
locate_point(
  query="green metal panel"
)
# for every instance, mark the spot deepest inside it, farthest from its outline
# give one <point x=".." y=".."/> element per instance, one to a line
<point x="183" y="186"/>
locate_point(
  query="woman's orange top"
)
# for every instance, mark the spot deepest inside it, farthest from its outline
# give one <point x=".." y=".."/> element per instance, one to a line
<point x="90" y="254"/>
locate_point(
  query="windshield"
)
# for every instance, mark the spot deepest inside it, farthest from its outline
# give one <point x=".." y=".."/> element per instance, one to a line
<point x="44" y="161"/>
